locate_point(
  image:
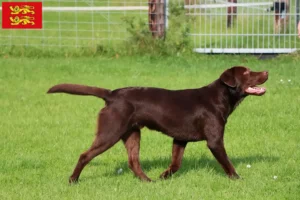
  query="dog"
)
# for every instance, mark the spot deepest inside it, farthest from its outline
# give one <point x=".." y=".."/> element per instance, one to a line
<point x="281" y="19"/>
<point x="187" y="115"/>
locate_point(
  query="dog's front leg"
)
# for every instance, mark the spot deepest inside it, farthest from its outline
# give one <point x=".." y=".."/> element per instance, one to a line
<point x="177" y="153"/>
<point x="218" y="150"/>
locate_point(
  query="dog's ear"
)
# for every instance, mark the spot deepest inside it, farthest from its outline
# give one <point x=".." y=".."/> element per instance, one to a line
<point x="228" y="77"/>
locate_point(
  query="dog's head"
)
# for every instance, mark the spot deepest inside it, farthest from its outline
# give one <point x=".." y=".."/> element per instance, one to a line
<point x="244" y="81"/>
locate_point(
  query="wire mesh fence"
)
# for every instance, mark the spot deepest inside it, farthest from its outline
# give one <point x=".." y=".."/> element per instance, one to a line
<point x="244" y="26"/>
<point x="78" y="23"/>
<point x="218" y="26"/>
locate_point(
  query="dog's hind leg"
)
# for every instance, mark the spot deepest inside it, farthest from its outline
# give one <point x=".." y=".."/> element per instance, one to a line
<point x="177" y="153"/>
<point x="97" y="148"/>
<point x="132" y="143"/>
<point x="112" y="125"/>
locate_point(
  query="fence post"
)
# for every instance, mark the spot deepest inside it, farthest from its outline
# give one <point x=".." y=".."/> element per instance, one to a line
<point x="166" y="3"/>
<point x="298" y="17"/>
<point x="231" y="13"/>
<point x="156" y="16"/>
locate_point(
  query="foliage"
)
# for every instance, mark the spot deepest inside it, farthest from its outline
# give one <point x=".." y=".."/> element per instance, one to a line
<point x="140" y="41"/>
<point x="175" y="42"/>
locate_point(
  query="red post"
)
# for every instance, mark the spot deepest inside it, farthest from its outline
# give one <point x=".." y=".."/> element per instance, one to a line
<point x="156" y="18"/>
<point x="231" y="13"/>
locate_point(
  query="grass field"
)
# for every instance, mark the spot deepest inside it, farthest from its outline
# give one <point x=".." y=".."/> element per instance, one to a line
<point x="43" y="135"/>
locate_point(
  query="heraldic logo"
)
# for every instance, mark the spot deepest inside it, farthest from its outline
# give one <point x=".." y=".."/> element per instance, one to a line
<point x="22" y="15"/>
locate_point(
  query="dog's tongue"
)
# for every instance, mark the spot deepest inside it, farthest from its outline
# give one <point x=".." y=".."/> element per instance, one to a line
<point x="255" y="90"/>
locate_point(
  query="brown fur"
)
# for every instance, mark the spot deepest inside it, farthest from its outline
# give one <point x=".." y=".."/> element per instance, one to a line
<point x="186" y="115"/>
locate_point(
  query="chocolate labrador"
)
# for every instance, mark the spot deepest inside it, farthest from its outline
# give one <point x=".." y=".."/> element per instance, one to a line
<point x="185" y="115"/>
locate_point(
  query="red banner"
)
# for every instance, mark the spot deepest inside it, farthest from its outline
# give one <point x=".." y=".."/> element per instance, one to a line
<point x="22" y="15"/>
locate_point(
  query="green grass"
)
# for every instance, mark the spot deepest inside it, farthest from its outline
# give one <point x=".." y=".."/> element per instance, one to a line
<point x="43" y="135"/>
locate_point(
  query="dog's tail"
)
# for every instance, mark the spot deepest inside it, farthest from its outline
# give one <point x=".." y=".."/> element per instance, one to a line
<point x="80" y="90"/>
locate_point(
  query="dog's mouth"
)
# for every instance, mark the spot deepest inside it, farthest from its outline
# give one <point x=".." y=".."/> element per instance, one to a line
<point x="255" y="90"/>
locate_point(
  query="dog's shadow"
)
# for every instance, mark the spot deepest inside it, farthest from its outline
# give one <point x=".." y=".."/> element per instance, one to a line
<point x="188" y="164"/>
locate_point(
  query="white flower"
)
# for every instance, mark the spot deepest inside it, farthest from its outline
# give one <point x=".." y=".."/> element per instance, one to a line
<point x="275" y="177"/>
<point x="248" y="166"/>
<point x="120" y="171"/>
<point x="281" y="80"/>
<point x="289" y="80"/>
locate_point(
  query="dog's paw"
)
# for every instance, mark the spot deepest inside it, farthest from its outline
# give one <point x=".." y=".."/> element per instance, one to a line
<point x="146" y="179"/>
<point x="166" y="174"/>
<point x="234" y="176"/>
<point x="73" y="180"/>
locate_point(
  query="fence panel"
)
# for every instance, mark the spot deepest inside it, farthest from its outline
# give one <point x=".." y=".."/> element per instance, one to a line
<point x="244" y="26"/>
<point x="78" y="23"/>
<point x="218" y="26"/>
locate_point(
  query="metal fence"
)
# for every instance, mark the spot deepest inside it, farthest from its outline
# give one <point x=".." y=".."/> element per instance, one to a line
<point x="244" y="26"/>
<point x="78" y="23"/>
<point x="217" y="26"/>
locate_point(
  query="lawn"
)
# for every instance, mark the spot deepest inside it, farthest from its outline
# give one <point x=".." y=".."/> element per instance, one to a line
<point x="43" y="135"/>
